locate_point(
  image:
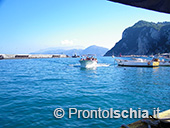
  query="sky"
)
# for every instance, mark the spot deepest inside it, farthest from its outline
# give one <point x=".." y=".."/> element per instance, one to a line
<point x="31" y="25"/>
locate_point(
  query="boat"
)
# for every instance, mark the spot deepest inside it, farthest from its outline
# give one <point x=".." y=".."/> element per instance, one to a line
<point x="166" y="60"/>
<point x="75" y="56"/>
<point x="164" y="63"/>
<point x="138" y="62"/>
<point x="162" y="121"/>
<point x="151" y="56"/>
<point x="1" y="57"/>
<point x="88" y="61"/>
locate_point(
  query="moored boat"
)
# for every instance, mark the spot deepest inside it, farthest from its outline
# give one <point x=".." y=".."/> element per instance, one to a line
<point x="164" y="63"/>
<point x="162" y="121"/>
<point x="75" y="56"/>
<point x="138" y="62"/>
<point x="166" y="60"/>
<point x="88" y="61"/>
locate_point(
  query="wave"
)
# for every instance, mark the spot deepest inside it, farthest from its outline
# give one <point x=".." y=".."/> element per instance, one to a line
<point x="103" y="65"/>
<point x="98" y="65"/>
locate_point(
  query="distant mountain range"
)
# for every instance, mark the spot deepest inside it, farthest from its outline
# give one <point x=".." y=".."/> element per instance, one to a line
<point x="143" y="38"/>
<point x="98" y="51"/>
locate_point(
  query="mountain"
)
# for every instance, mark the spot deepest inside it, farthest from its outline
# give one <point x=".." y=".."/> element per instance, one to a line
<point x="61" y="51"/>
<point x="98" y="51"/>
<point x="143" y="38"/>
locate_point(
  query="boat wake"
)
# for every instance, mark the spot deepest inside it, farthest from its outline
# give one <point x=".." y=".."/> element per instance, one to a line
<point x="98" y="65"/>
<point x="102" y="65"/>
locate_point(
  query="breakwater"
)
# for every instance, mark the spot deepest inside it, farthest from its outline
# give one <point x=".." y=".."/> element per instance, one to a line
<point x="31" y="56"/>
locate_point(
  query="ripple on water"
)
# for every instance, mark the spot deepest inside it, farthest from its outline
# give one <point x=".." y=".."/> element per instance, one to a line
<point x="32" y="89"/>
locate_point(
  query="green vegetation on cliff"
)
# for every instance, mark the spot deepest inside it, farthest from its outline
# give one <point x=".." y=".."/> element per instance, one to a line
<point x="143" y="38"/>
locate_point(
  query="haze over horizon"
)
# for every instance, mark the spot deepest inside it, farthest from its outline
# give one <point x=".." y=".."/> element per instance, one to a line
<point x="31" y="25"/>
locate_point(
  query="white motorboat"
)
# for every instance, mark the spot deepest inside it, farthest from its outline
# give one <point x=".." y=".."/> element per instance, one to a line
<point x="164" y="63"/>
<point x="88" y="61"/>
<point x="138" y="62"/>
<point x="166" y="60"/>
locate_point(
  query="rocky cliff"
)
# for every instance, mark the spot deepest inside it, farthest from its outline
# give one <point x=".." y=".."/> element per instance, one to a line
<point x="143" y="38"/>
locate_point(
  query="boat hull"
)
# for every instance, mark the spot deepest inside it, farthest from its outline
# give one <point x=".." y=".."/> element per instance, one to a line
<point x="166" y="63"/>
<point x="137" y="64"/>
<point x="88" y="63"/>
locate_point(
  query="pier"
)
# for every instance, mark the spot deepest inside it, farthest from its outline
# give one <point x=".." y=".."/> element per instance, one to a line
<point x="31" y="56"/>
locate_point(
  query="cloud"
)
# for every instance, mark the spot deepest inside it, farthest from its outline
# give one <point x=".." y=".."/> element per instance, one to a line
<point x="67" y="42"/>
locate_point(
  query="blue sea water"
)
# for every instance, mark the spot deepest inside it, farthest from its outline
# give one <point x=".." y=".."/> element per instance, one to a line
<point x="31" y="89"/>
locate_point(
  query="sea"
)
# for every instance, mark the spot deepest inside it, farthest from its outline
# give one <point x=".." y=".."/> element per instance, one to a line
<point x="31" y="89"/>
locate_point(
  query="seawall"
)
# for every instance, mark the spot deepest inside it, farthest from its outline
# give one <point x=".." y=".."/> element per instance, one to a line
<point x="31" y="56"/>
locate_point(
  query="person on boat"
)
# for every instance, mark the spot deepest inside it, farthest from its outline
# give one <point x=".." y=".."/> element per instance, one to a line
<point x="87" y="58"/>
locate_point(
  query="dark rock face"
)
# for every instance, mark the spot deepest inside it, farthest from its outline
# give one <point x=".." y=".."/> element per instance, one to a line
<point x="143" y="38"/>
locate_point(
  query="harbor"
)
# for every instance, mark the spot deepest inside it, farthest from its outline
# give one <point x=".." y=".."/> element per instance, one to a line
<point x="36" y="87"/>
<point x="85" y="64"/>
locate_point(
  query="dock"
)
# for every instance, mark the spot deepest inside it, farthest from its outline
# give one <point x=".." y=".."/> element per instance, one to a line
<point x="31" y="56"/>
